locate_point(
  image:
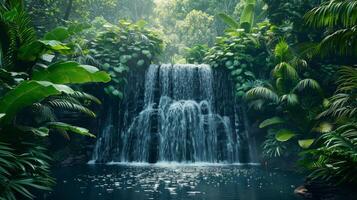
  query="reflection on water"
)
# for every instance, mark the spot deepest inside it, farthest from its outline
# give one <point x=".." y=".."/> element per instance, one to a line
<point x="176" y="182"/>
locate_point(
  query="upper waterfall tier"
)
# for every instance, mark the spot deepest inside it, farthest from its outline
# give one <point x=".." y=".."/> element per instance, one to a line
<point x="178" y="121"/>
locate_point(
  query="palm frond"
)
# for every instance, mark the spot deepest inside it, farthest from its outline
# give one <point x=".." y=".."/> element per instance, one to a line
<point x="285" y="71"/>
<point x="256" y="104"/>
<point x="262" y="93"/>
<point x="338" y="158"/>
<point x="333" y="13"/>
<point x="344" y="103"/>
<point x="22" y="171"/>
<point x="307" y="84"/>
<point x="348" y="79"/>
<point x="341" y="42"/>
<point x="282" y="50"/>
<point x="290" y="99"/>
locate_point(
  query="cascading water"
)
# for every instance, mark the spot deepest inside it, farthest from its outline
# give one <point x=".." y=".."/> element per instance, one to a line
<point x="178" y="121"/>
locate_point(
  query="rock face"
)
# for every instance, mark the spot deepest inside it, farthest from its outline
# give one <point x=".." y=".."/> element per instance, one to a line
<point x="181" y="113"/>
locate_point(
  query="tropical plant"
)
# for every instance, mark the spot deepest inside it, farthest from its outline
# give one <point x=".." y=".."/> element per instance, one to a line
<point x="294" y="99"/>
<point x="31" y="81"/>
<point x="339" y="17"/>
<point x="244" y="54"/>
<point x="335" y="159"/>
<point x="120" y="48"/>
<point x="22" y="170"/>
<point x="196" y="54"/>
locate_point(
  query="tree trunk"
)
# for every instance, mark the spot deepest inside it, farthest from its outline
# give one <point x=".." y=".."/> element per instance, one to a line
<point x="68" y="10"/>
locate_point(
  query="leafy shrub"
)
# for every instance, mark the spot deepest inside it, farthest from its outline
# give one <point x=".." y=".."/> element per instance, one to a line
<point x="244" y="54"/>
<point x="119" y="48"/>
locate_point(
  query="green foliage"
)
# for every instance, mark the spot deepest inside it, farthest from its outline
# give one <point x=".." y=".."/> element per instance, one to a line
<point x="70" y="72"/>
<point x="27" y="93"/>
<point x="271" y="121"/>
<point x="196" y="28"/>
<point x="30" y="83"/>
<point x="336" y="159"/>
<point x="22" y="171"/>
<point x="340" y="17"/>
<point x="262" y="93"/>
<point x="184" y="24"/>
<point x="229" y="20"/>
<point x="305" y="144"/>
<point x="333" y="13"/>
<point x="272" y="148"/>
<point x="120" y="48"/>
<point x="244" y="54"/>
<point x="15" y="31"/>
<point x="284" y="135"/>
<point x="287" y="97"/>
<point x="67" y="127"/>
<point x="196" y="54"/>
<point x="247" y="16"/>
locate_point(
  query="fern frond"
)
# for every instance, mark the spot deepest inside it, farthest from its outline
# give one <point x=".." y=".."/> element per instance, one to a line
<point x="64" y="104"/>
<point x="85" y="96"/>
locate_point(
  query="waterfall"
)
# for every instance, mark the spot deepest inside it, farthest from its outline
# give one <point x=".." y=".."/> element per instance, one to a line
<point x="179" y="121"/>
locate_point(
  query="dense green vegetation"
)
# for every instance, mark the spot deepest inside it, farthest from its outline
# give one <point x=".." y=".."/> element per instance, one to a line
<point x="293" y="64"/>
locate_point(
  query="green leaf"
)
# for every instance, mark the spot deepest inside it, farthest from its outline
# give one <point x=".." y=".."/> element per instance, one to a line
<point x="2" y="115"/>
<point x="70" y="72"/>
<point x="324" y="127"/>
<point x="41" y="131"/>
<point x="247" y="16"/>
<point x="67" y="127"/>
<point x="284" y="135"/>
<point x="308" y="84"/>
<point x="35" y="49"/>
<point x="228" y="20"/>
<point x="305" y="144"/>
<point x="271" y="121"/>
<point x="78" y="27"/>
<point x="27" y="93"/>
<point x="60" y="34"/>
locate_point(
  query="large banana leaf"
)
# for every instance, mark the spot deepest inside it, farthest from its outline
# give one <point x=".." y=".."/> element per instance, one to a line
<point x="61" y="33"/>
<point x="68" y="127"/>
<point x="27" y="93"/>
<point x="34" y="50"/>
<point x="70" y="72"/>
<point x="247" y="16"/>
<point x="228" y="20"/>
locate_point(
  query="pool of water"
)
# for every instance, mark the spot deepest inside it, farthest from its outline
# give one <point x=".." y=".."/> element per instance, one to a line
<point x="172" y="182"/>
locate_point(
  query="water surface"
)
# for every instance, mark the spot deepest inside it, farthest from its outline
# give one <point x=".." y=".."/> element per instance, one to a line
<point x="173" y="182"/>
